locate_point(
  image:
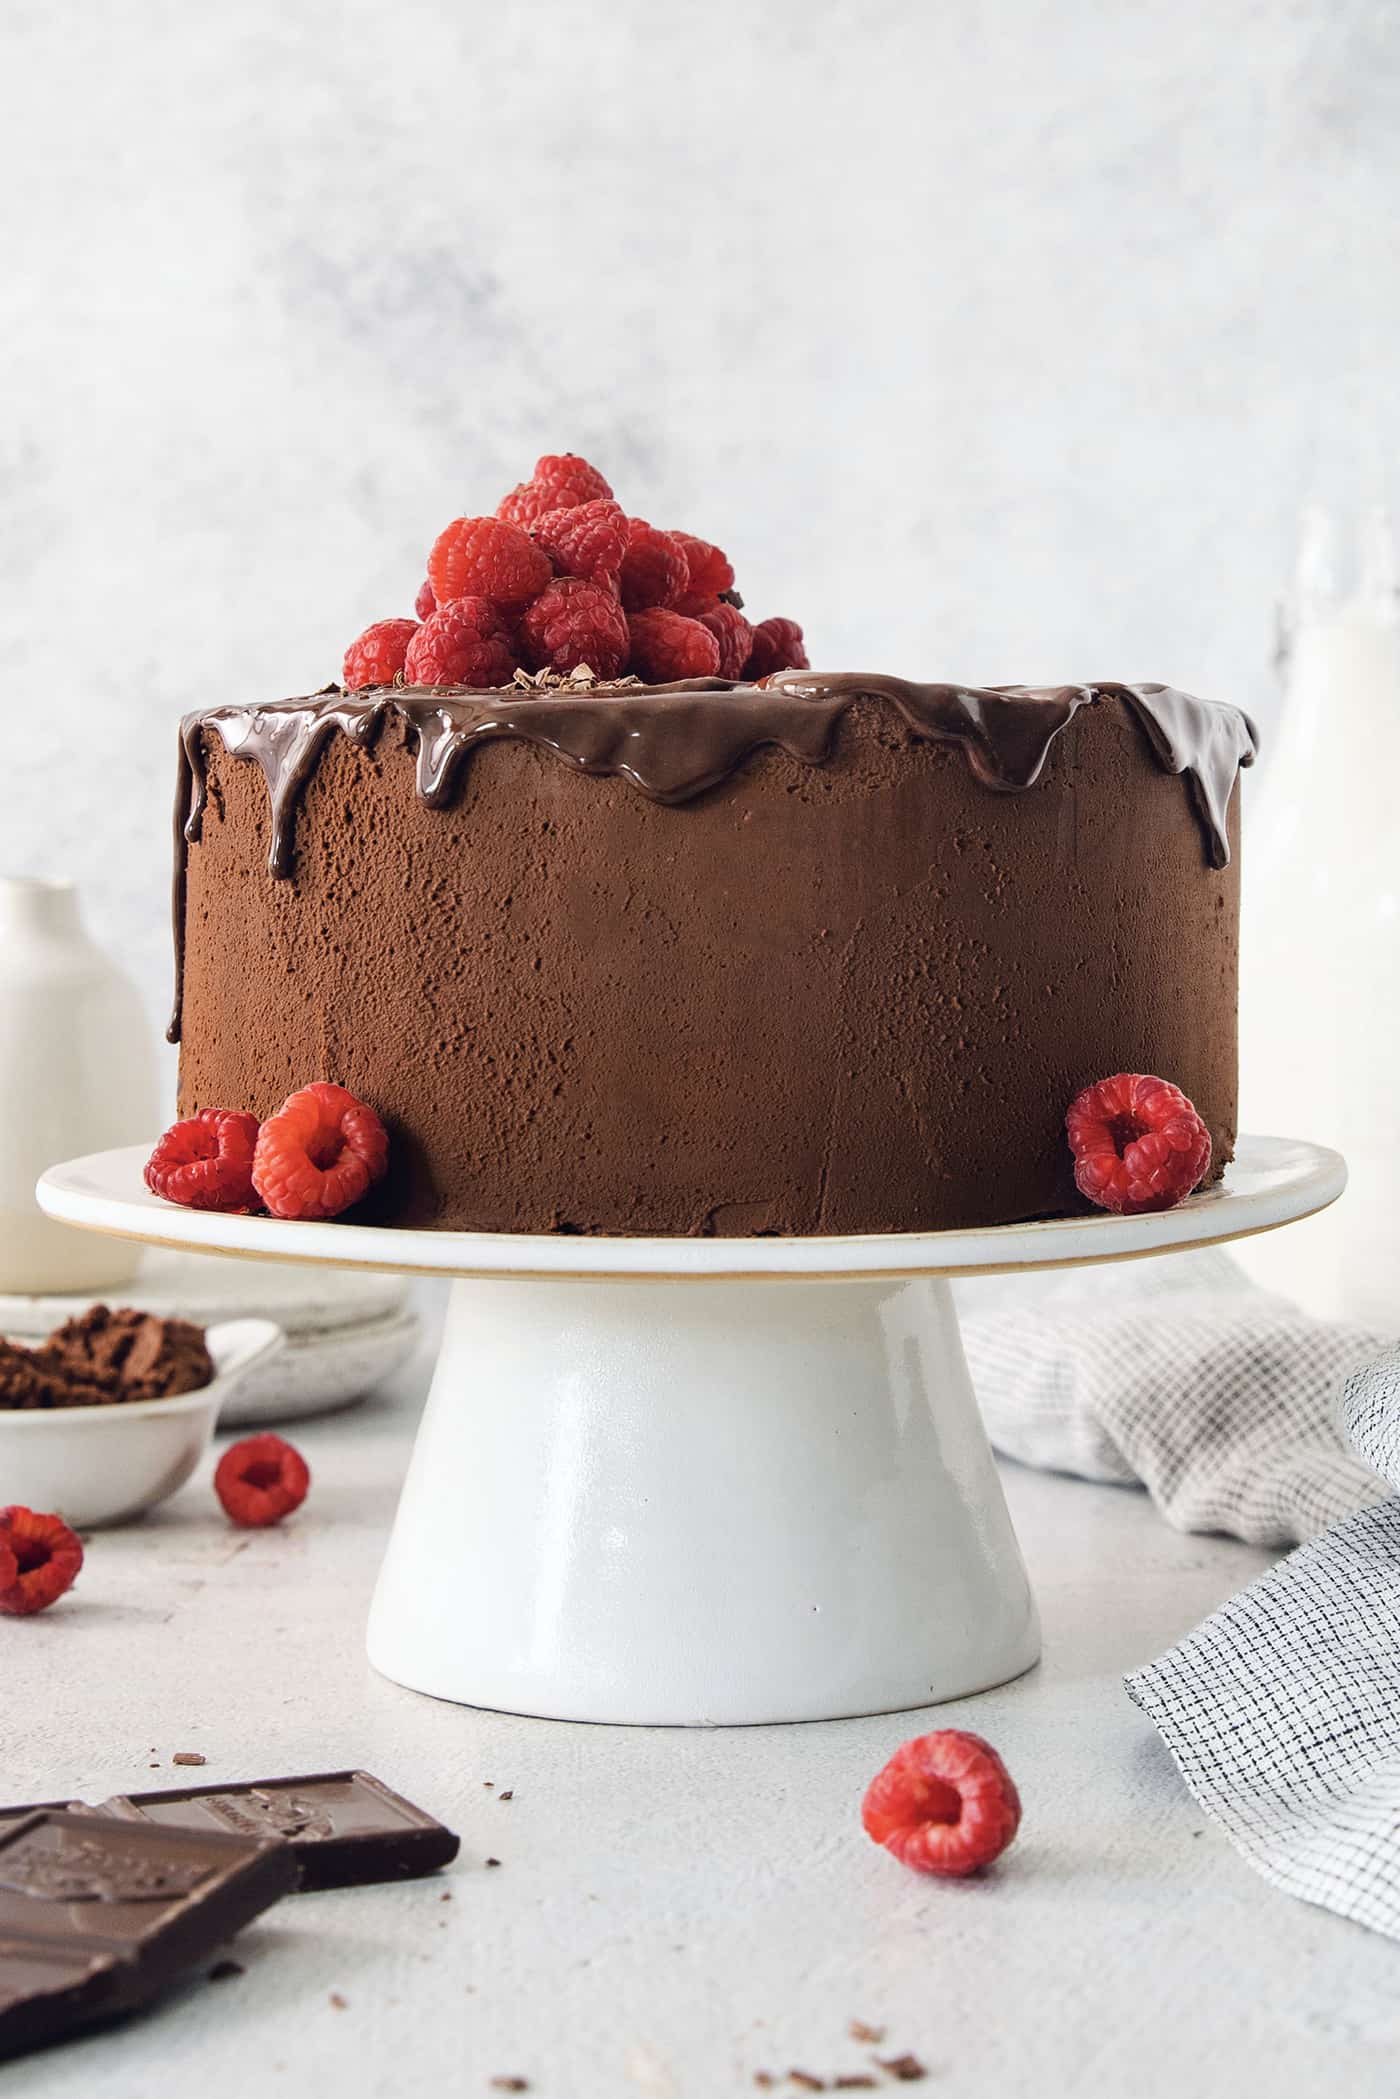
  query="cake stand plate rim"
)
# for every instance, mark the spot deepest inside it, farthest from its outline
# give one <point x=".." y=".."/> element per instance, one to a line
<point x="1272" y="1181"/>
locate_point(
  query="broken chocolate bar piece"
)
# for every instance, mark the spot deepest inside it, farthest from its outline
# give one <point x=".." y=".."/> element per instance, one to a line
<point x="47" y="1991"/>
<point x="99" y="1914"/>
<point x="344" y="1828"/>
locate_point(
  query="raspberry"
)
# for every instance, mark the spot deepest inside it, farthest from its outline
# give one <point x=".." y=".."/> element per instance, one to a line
<point x="46" y="1557"/>
<point x="729" y="627"/>
<point x="425" y="604"/>
<point x="207" y="1162"/>
<point x="377" y="657"/>
<point x="560" y="481"/>
<point x="481" y="557"/>
<point x="654" y="571"/>
<point x="1138" y="1143"/>
<point x="319" y="1153"/>
<point x="777" y="646"/>
<point x="261" y="1480"/>
<point x="665" y="646"/>
<point x="466" y="642"/>
<point x="574" y="622"/>
<point x="710" y="570"/>
<point x="944" y="1804"/>
<point x="589" y="541"/>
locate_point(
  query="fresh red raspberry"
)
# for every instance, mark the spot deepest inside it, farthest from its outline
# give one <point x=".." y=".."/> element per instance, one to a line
<point x="425" y="604"/>
<point x="944" y="1804"/>
<point x="377" y="657"/>
<point x="654" y="571"/>
<point x="777" y="646"/>
<point x="479" y="557"/>
<point x="1138" y="1143"/>
<point x="261" y="1480"/>
<point x="575" y="622"/>
<point x="729" y="627"/>
<point x="45" y="1558"/>
<point x="588" y="541"/>
<point x="710" y="570"/>
<point x="467" y="642"/>
<point x="560" y="481"/>
<point x="665" y="646"/>
<point x="207" y="1162"/>
<point x="319" y="1153"/>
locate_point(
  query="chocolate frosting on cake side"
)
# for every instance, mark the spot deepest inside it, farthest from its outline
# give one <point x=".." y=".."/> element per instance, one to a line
<point x="672" y="742"/>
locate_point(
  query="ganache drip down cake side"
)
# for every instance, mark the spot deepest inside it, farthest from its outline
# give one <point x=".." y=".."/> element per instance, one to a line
<point x="821" y="954"/>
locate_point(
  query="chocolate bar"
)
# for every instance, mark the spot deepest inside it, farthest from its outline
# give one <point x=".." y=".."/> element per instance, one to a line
<point x="98" y="1913"/>
<point x="344" y="1828"/>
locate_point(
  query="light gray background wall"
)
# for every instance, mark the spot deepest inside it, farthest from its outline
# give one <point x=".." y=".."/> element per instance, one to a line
<point x="997" y="342"/>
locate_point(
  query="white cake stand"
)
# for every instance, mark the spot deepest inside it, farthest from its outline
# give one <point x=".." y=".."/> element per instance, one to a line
<point x="703" y="1481"/>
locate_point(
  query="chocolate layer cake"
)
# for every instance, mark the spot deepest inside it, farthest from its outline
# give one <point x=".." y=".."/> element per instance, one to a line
<point x="828" y="954"/>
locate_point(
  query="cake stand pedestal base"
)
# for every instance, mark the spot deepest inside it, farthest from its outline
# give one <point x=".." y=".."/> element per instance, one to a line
<point x="703" y="1481"/>
<point x="643" y="1501"/>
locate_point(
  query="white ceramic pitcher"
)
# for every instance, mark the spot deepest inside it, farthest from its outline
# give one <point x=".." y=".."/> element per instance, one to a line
<point x="77" y="1074"/>
<point x="1320" y="927"/>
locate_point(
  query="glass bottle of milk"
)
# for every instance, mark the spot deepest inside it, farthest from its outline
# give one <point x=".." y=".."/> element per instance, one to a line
<point x="1320" y="927"/>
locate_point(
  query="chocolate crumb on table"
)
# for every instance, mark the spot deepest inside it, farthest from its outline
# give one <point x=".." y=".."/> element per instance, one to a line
<point x="493" y="1862"/>
<point x="188" y="1756"/>
<point x="806" y="2081"/>
<point x="859" y="2030"/>
<point x="860" y="2082"/>
<point x="509" y="1794"/>
<point x="337" y="2002"/>
<point x="510" y="2084"/>
<point x="905" y="2069"/>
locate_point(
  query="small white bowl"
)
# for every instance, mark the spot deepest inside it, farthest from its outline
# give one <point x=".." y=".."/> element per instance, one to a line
<point x="101" y="1465"/>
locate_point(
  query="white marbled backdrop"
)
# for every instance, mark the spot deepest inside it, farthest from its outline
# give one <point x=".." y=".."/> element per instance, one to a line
<point x="997" y="342"/>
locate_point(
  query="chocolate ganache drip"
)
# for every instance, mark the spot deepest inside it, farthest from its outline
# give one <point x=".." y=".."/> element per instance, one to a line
<point x="674" y="741"/>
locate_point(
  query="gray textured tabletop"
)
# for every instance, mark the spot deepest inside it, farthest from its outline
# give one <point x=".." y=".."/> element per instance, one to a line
<point x="675" y="1911"/>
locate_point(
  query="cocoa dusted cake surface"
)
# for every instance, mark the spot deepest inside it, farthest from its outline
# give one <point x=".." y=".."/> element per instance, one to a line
<point x="830" y="954"/>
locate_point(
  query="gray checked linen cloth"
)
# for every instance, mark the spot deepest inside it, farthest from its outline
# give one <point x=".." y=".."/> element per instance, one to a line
<point x="1238" y="1413"/>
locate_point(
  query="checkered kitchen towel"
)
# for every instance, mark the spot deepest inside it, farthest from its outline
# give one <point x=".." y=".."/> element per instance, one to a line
<point x="1282" y="1711"/>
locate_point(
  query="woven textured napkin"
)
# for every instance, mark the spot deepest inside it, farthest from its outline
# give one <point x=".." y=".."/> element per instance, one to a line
<point x="1239" y="1413"/>
<point x="1180" y="1375"/>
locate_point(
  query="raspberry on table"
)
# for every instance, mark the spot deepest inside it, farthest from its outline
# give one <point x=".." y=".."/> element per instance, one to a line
<point x="482" y="557"/>
<point x="376" y="657"/>
<point x="654" y="571"/>
<point x="710" y="570"/>
<point x="944" y="1804"/>
<point x="44" y="1556"/>
<point x="574" y="622"/>
<point x="590" y="540"/>
<point x="206" y="1163"/>
<point x="261" y="1480"/>
<point x="425" y="604"/>
<point x="729" y="627"/>
<point x="1138" y="1143"/>
<point x="322" y="1151"/>
<point x="665" y="645"/>
<point x="468" y="641"/>
<point x="560" y="481"/>
<point x="777" y="646"/>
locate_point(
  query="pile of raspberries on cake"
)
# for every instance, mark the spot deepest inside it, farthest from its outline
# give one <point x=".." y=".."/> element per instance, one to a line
<point x="562" y="581"/>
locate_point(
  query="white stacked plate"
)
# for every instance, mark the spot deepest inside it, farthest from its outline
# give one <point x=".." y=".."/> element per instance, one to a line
<point x="346" y="1330"/>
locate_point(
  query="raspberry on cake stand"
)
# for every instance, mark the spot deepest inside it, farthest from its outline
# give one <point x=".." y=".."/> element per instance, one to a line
<point x="704" y="1481"/>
